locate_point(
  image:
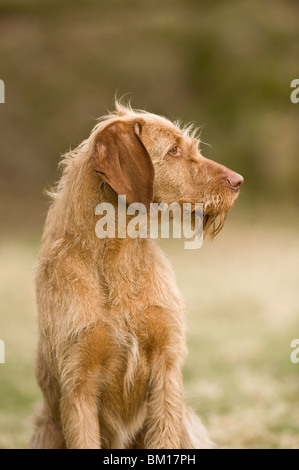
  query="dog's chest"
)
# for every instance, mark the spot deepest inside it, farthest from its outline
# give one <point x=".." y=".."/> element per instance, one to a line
<point x="135" y="340"/>
<point x="123" y="384"/>
<point x="144" y="318"/>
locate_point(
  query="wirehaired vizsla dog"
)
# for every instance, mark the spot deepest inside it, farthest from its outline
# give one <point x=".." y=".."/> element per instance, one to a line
<point x="111" y="319"/>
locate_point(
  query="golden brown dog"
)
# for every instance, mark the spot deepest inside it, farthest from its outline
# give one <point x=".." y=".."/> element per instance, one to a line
<point x="111" y="319"/>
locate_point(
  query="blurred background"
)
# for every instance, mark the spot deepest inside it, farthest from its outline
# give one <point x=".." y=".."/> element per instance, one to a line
<point x="226" y="66"/>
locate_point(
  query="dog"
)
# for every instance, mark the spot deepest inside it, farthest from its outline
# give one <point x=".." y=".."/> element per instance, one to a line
<point x="111" y="319"/>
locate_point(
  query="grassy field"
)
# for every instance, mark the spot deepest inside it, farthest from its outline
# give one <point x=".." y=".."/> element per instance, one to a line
<point x="241" y="291"/>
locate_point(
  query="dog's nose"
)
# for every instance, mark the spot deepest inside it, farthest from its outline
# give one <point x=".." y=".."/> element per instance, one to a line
<point x="234" y="180"/>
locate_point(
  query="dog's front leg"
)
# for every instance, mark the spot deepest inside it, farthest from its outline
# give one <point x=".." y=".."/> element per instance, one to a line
<point x="79" y="418"/>
<point x="165" y="406"/>
<point x="80" y="394"/>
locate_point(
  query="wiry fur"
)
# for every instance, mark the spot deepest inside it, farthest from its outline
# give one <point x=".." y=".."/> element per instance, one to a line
<point x="111" y="319"/>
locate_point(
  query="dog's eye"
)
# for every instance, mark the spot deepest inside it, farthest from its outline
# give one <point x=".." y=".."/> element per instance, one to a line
<point x="174" y="151"/>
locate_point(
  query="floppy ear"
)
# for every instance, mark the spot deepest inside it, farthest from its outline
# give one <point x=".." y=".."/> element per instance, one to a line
<point x="124" y="163"/>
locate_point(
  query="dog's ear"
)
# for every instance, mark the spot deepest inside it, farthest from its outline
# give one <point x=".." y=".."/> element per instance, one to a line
<point x="124" y="163"/>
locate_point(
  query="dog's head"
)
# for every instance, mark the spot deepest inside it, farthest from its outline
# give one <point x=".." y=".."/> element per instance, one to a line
<point x="150" y="159"/>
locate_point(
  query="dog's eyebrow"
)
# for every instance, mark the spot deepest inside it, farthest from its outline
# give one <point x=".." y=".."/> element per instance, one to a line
<point x="177" y="137"/>
<point x="195" y="143"/>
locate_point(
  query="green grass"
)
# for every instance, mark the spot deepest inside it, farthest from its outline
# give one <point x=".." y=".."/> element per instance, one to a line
<point x="241" y="291"/>
<point x="18" y="390"/>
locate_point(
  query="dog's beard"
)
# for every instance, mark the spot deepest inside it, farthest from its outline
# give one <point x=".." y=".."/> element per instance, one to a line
<point x="213" y="224"/>
<point x="215" y="211"/>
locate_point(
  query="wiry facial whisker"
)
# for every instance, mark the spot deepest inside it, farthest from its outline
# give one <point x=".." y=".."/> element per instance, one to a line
<point x="213" y="224"/>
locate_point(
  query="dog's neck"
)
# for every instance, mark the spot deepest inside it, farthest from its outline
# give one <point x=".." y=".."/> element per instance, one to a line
<point x="124" y="264"/>
<point x="118" y="244"/>
<point x="80" y="191"/>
